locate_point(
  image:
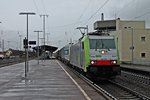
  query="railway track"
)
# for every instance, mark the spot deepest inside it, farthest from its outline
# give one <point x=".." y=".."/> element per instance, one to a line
<point x="136" y="77"/>
<point x="100" y="90"/>
<point x="136" y="71"/>
<point x="121" y="92"/>
<point x="7" y="62"/>
<point x="112" y="90"/>
<point x="135" y="82"/>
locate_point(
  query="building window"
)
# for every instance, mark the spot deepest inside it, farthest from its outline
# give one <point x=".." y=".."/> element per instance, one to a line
<point x="143" y="38"/>
<point x="143" y="55"/>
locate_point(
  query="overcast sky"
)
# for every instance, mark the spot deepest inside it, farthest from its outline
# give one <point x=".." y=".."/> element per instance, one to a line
<point x="64" y="17"/>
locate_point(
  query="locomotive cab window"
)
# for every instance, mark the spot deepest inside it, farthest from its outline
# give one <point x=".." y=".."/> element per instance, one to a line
<point x="102" y="44"/>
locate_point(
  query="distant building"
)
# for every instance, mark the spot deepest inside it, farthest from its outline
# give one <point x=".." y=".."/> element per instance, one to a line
<point x="132" y="38"/>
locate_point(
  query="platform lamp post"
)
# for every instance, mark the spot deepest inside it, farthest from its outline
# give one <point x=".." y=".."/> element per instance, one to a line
<point x="44" y="17"/>
<point x="26" y="49"/>
<point x="38" y="44"/>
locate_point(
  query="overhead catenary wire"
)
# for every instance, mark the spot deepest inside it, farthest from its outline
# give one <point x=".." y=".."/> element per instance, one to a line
<point x="84" y="11"/>
<point x="68" y="25"/>
<point x="136" y="17"/>
<point x="79" y="19"/>
<point x="86" y="20"/>
<point x="143" y="14"/>
<point x="124" y="7"/>
<point x="36" y="6"/>
<point x="97" y="11"/>
<point x="44" y="7"/>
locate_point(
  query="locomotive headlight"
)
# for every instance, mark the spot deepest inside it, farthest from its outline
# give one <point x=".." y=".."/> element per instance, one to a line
<point x="92" y="62"/>
<point x="114" y="62"/>
<point x="103" y="52"/>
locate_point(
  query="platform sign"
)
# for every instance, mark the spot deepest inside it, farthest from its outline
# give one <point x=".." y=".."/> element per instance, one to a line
<point x="25" y="41"/>
<point x="32" y="42"/>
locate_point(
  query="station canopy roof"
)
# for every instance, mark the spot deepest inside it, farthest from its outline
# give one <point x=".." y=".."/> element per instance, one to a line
<point x="47" y="48"/>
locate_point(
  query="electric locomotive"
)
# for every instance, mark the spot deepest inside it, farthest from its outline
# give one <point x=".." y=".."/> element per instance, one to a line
<point x="96" y="55"/>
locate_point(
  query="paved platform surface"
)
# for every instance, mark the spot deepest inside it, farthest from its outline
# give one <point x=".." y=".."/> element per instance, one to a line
<point x="46" y="81"/>
<point x="137" y="67"/>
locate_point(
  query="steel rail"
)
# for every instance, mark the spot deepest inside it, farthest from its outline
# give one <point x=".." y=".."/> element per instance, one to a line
<point x="138" y="95"/>
<point x="137" y="77"/>
<point x="10" y="63"/>
<point x="100" y="90"/>
<point x="105" y="93"/>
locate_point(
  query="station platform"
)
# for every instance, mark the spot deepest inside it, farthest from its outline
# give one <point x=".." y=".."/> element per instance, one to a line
<point x="46" y="81"/>
<point x="145" y="68"/>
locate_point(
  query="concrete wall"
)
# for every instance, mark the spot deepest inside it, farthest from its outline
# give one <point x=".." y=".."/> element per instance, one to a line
<point x="140" y="46"/>
<point x="122" y="24"/>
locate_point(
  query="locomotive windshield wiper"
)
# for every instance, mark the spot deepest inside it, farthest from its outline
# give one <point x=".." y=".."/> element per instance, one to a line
<point x="96" y="46"/>
<point x="102" y="43"/>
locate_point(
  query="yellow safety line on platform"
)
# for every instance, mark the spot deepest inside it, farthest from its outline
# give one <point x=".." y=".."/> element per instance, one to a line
<point x="84" y="93"/>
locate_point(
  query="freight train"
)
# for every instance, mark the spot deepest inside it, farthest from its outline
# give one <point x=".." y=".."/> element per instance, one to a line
<point x="94" y="54"/>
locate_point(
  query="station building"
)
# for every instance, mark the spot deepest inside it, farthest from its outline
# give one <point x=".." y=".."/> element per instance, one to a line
<point x="132" y="39"/>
